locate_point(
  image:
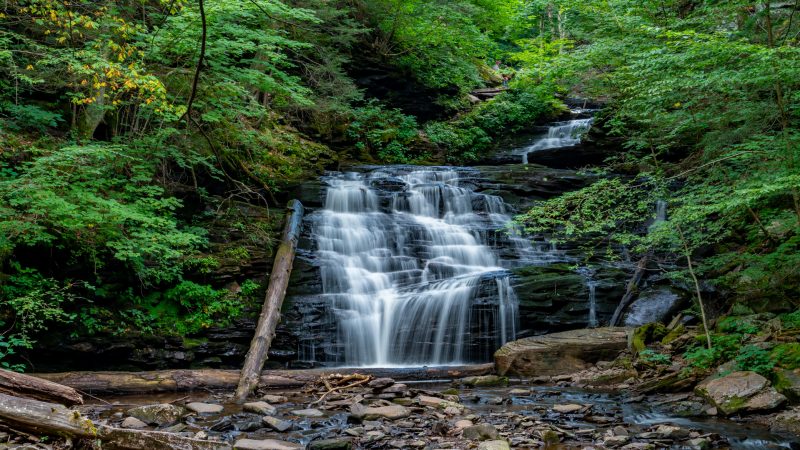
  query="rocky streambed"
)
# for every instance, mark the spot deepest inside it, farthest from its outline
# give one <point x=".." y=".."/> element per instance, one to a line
<point x="488" y="412"/>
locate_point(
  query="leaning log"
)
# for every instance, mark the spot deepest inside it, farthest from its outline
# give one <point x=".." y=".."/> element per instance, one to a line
<point x="631" y="290"/>
<point x="216" y="379"/>
<point x="52" y="419"/>
<point x="21" y="385"/>
<point x="271" y="311"/>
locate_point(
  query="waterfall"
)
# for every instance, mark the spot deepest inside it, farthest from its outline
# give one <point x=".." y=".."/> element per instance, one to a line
<point x="559" y="135"/>
<point x="588" y="274"/>
<point x="409" y="270"/>
<point x="592" y="322"/>
<point x="661" y="211"/>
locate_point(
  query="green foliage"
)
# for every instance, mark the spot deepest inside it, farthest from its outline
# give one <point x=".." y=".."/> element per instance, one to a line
<point x="609" y="212"/>
<point x="787" y="355"/>
<point x="386" y="134"/>
<point x="654" y="357"/>
<point x="102" y="204"/>
<point x="756" y="359"/>
<point x="791" y="321"/>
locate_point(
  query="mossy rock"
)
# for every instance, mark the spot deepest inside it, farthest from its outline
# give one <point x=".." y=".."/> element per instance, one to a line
<point x="675" y="333"/>
<point x="647" y="334"/>
<point x="485" y="381"/>
<point x="787" y="382"/>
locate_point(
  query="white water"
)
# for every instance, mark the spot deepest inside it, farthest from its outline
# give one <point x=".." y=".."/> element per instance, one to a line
<point x="409" y="270"/>
<point x="559" y="135"/>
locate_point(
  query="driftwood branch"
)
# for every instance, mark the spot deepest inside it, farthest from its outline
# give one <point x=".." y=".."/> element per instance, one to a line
<point x="21" y="385"/>
<point x="271" y="311"/>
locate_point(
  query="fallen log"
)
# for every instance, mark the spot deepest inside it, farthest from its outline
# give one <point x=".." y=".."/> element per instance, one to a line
<point x="216" y="379"/>
<point x="273" y="300"/>
<point x="21" y="385"/>
<point x="52" y="419"/>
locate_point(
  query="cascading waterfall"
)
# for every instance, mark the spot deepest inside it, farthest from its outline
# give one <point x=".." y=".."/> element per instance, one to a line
<point x="592" y="322"/>
<point x="408" y="267"/>
<point x="559" y="135"/>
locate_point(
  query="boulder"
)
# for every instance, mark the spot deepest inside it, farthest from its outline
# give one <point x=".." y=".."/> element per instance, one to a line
<point x="480" y="432"/>
<point x="331" y="444"/>
<point x="273" y="399"/>
<point x="160" y="415"/>
<point x="653" y="305"/>
<point x="204" y="408"/>
<point x="276" y="423"/>
<point x="259" y="408"/>
<point x="494" y="445"/>
<point x="787" y="422"/>
<point x="787" y="382"/>
<point x="560" y="353"/>
<point x="740" y="392"/>
<point x="133" y="423"/>
<point x="567" y="409"/>
<point x="485" y="381"/>
<point x="265" y="444"/>
<point x="391" y="412"/>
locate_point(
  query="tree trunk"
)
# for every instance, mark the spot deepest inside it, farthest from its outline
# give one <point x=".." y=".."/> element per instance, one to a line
<point x="215" y="379"/>
<point x="641" y="266"/>
<point x="51" y="419"/>
<point x="271" y="311"/>
<point x="27" y="386"/>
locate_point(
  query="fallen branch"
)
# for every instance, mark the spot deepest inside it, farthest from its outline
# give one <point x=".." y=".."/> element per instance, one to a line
<point x="339" y="386"/>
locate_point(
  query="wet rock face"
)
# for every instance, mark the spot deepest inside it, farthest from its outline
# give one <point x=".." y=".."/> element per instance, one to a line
<point x="555" y="297"/>
<point x="656" y="304"/>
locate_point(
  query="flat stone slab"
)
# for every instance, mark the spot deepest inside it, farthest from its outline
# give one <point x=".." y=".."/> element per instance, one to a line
<point x="265" y="444"/>
<point x="560" y="353"/>
<point x="311" y="412"/>
<point x="259" y="408"/>
<point x="204" y="408"/>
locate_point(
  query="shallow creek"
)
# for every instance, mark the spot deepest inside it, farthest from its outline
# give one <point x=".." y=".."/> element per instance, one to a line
<point x="515" y="414"/>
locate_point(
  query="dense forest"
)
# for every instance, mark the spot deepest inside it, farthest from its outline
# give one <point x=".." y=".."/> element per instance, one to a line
<point x="131" y="132"/>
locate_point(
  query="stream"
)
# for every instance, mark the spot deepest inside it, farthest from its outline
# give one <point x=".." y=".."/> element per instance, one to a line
<point x="513" y="410"/>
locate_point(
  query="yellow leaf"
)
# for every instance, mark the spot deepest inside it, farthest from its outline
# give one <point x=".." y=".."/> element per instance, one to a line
<point x="29" y="67"/>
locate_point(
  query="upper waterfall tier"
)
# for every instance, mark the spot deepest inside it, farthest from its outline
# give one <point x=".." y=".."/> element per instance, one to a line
<point x="408" y="266"/>
<point x="559" y="135"/>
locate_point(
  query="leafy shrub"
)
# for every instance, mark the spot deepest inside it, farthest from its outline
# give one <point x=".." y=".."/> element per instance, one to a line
<point x="787" y="355"/>
<point x="736" y="325"/>
<point x="756" y="359"/>
<point x="29" y="117"/>
<point x="652" y="357"/>
<point x="791" y="321"/>
<point x="724" y="348"/>
<point x="100" y="203"/>
<point x="386" y="133"/>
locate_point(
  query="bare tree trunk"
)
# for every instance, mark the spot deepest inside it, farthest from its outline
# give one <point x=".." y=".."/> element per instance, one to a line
<point x="27" y="386"/>
<point x="688" y="255"/>
<point x="271" y="311"/>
